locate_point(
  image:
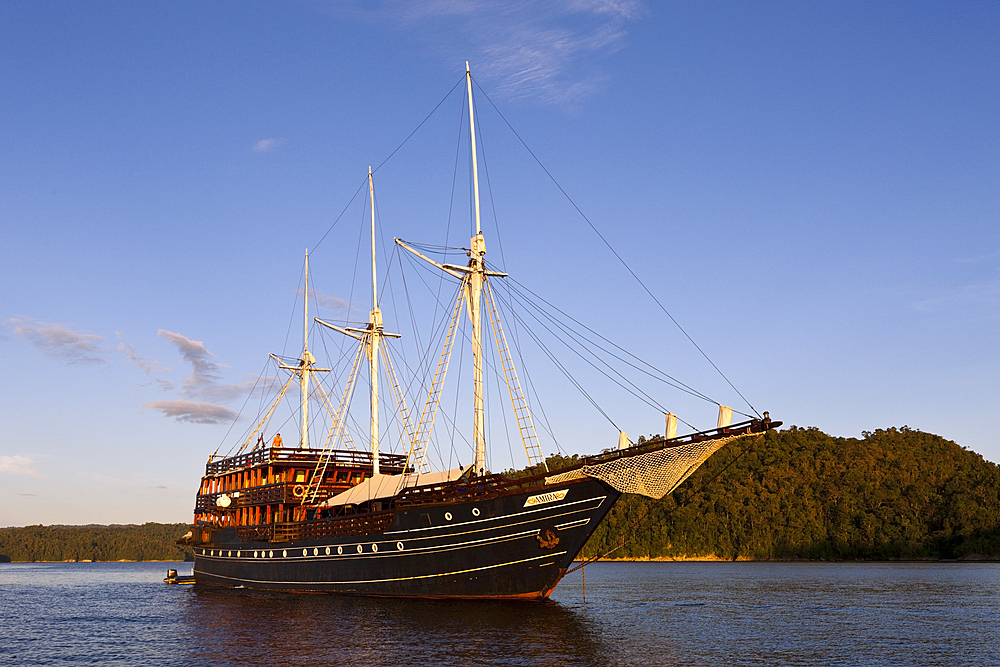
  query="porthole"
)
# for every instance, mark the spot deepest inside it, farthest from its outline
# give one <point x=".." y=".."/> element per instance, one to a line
<point x="340" y="550"/>
<point x="305" y="552"/>
<point x="399" y="546"/>
<point x="239" y="553"/>
<point x="374" y="548"/>
<point x="315" y="552"/>
<point x="213" y="552"/>
<point x="328" y="551"/>
<point x="270" y="554"/>
<point x="254" y="554"/>
<point x="230" y="554"/>
<point x="475" y="511"/>
<point x="447" y="516"/>
<point x="360" y="549"/>
<point x="284" y="554"/>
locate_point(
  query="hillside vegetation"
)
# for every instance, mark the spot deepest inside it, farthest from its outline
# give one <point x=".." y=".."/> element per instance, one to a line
<point x="150" y="541"/>
<point x="798" y="493"/>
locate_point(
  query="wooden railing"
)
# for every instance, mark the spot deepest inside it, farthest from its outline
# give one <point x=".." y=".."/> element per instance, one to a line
<point x="337" y="457"/>
<point x="269" y="494"/>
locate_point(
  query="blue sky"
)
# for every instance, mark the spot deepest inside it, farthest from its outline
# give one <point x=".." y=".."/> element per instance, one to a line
<point x="810" y="189"/>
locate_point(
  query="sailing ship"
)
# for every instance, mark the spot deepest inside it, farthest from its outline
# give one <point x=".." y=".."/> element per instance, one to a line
<point x="338" y="520"/>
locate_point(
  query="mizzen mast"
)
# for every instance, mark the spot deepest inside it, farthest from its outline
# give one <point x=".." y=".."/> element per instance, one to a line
<point x="307" y="361"/>
<point x="306" y="364"/>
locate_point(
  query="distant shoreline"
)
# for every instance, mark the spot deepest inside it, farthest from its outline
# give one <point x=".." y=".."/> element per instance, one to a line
<point x="94" y="561"/>
<point x="974" y="558"/>
<point x="971" y="558"/>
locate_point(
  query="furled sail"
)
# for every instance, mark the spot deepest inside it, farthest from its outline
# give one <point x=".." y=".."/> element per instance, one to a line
<point x="386" y="486"/>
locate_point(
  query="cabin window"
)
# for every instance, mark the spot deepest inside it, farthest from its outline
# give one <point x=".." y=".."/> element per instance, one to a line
<point x="300" y="476"/>
<point x="357" y="477"/>
<point x="343" y="476"/>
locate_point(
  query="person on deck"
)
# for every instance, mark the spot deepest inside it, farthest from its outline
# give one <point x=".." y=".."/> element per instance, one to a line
<point x="276" y="442"/>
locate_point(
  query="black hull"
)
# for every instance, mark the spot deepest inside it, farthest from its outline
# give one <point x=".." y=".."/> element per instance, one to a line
<point x="500" y="547"/>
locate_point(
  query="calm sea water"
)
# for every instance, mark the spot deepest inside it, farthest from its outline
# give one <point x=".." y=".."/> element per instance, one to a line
<point x="690" y="614"/>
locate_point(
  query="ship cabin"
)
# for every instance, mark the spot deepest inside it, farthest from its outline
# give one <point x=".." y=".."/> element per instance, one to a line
<point x="263" y="490"/>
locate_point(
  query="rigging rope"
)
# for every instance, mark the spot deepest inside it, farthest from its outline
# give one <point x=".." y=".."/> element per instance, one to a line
<point x="613" y="251"/>
<point x="678" y="384"/>
<point x="396" y="150"/>
<point x="631" y="533"/>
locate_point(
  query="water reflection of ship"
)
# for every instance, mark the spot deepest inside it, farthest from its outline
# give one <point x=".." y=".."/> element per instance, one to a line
<point x="335" y="519"/>
<point x="251" y="627"/>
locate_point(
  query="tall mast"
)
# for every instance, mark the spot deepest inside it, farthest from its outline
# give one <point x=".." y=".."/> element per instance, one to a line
<point x="475" y="286"/>
<point x="307" y="360"/>
<point x="375" y="326"/>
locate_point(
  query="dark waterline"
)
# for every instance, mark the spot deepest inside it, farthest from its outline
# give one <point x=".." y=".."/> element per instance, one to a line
<point x="689" y="614"/>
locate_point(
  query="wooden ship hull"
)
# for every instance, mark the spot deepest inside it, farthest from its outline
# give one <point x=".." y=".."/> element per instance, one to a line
<point x="475" y="537"/>
<point x="499" y="542"/>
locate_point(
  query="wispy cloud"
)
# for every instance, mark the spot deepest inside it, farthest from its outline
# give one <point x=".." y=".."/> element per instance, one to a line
<point x="148" y="366"/>
<point x="57" y="340"/>
<point x="78" y="347"/>
<point x="547" y="51"/>
<point x="334" y="304"/>
<point x="982" y="298"/>
<point x="227" y="392"/>
<point x="266" y="145"/>
<point x="17" y="465"/>
<point x="193" y="412"/>
<point x="204" y="371"/>
<point x="202" y="382"/>
<point x="165" y="385"/>
<point x="974" y="259"/>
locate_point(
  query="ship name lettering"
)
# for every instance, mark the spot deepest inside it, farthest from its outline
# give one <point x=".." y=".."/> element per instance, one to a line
<point x="543" y="498"/>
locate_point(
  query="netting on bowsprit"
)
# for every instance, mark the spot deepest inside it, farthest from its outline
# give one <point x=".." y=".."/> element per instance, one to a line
<point x="653" y="474"/>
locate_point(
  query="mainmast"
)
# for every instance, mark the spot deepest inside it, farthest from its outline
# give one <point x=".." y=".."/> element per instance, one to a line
<point x="475" y="292"/>
<point x="375" y="326"/>
<point x="371" y="336"/>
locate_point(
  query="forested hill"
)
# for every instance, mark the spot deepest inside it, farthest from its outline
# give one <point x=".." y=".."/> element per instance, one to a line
<point x="797" y="493"/>
<point x="800" y="493"/>
<point x="150" y="541"/>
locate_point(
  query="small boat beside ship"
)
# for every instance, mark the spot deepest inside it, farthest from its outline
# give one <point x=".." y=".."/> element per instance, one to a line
<point x="339" y="519"/>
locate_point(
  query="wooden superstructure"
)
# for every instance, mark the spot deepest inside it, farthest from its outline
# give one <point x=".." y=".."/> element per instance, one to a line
<point x="263" y="490"/>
